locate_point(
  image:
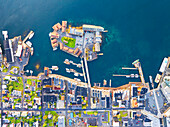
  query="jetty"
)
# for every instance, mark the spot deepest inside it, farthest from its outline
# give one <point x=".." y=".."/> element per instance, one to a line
<point x="27" y="37"/>
<point x="129" y="68"/>
<point x="137" y="64"/>
<point x="84" y="74"/>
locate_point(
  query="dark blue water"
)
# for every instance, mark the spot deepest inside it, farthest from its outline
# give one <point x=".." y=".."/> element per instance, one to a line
<point x="136" y="29"/>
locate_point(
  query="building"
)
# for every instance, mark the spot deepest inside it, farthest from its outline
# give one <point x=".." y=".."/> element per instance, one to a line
<point x="50" y="98"/>
<point x="97" y="47"/>
<point x="1" y="55"/>
<point x="19" y="51"/>
<point x="46" y="71"/>
<point x="61" y="121"/>
<point x="8" y="51"/>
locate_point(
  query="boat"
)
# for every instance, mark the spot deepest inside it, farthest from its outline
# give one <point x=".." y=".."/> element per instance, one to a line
<point x="127" y="76"/>
<point x="104" y="82"/>
<point x="132" y="75"/>
<point x="72" y="70"/>
<point x="31" y="35"/>
<point x="50" y="34"/>
<point x="32" y="51"/>
<point x="81" y="74"/>
<point x="76" y="74"/>
<point x="136" y="76"/>
<point x="76" y="79"/>
<point x="71" y="61"/>
<point x="55" y="68"/>
<point x="67" y="70"/>
<point x="67" y="62"/>
<point x="79" y="65"/>
<point x="54" y="48"/>
<point x="29" y="43"/>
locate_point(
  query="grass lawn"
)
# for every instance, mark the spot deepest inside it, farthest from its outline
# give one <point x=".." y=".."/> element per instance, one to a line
<point x="17" y="85"/>
<point x="4" y="68"/>
<point x="92" y="113"/>
<point x="71" y="41"/>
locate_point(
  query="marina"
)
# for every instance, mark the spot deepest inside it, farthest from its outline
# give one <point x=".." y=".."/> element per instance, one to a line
<point x="74" y="71"/>
<point x="68" y="62"/>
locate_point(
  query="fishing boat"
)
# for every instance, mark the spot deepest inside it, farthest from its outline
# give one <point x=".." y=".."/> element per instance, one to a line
<point x="31" y="35"/>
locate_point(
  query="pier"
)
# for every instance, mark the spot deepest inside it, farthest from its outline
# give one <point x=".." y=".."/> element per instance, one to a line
<point x="84" y="74"/>
<point x="128" y="68"/>
<point x="120" y="75"/>
<point x="127" y="76"/>
<point x="137" y="64"/>
<point x="26" y="38"/>
<point x="88" y="81"/>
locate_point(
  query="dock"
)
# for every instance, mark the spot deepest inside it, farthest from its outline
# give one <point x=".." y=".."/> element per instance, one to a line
<point x="120" y="75"/>
<point x="25" y="45"/>
<point x="137" y="64"/>
<point x="129" y="68"/>
<point x="26" y="38"/>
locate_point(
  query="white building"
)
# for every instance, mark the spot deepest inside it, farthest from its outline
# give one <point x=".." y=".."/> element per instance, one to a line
<point x="19" y="51"/>
<point x="61" y="121"/>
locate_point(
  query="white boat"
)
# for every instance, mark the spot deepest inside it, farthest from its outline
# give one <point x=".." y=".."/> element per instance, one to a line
<point x="76" y="74"/>
<point x="67" y="70"/>
<point x="81" y="74"/>
<point x="50" y="34"/>
<point x="32" y="51"/>
<point x="29" y="43"/>
<point x="71" y="61"/>
<point x="54" y="48"/>
<point x="79" y="65"/>
<point x="55" y="68"/>
<point x="136" y="76"/>
<point x="132" y="75"/>
<point x="78" y="80"/>
<point x="31" y="35"/>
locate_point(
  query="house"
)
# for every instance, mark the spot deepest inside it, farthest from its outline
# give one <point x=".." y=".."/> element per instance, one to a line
<point x="18" y="106"/>
<point x="37" y="101"/>
<point x="46" y="82"/>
